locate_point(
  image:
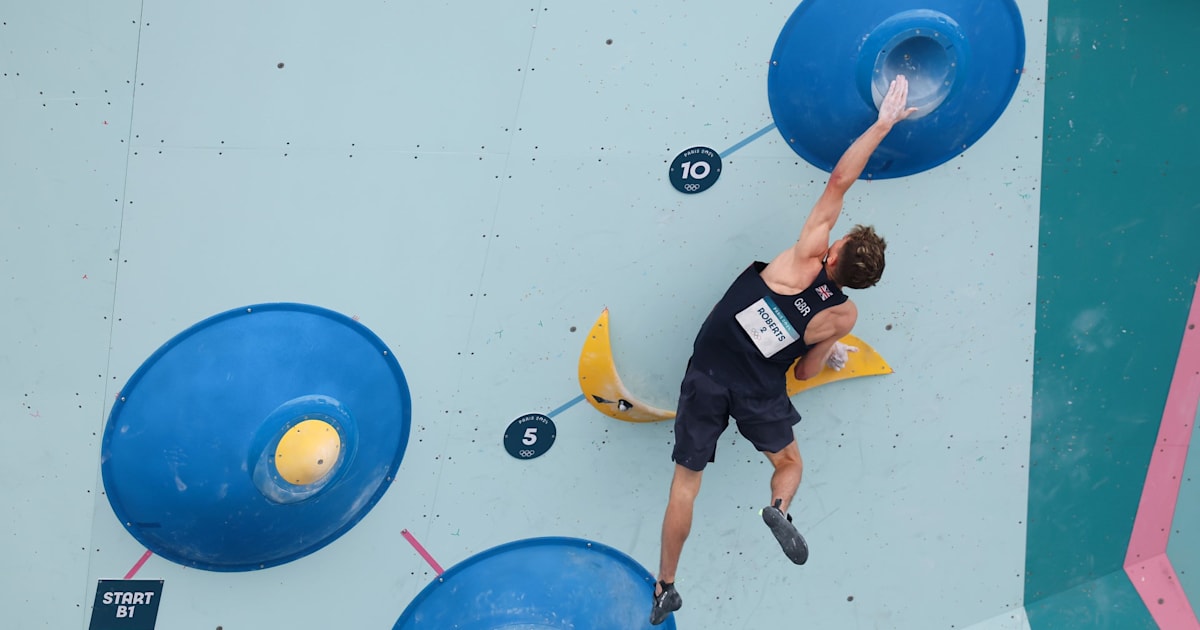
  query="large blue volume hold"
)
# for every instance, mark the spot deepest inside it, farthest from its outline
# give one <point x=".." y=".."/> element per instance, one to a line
<point x="189" y="452"/>
<point x="565" y="583"/>
<point x="833" y="61"/>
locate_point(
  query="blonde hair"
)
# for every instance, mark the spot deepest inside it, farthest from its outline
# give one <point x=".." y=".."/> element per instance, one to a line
<point x="861" y="262"/>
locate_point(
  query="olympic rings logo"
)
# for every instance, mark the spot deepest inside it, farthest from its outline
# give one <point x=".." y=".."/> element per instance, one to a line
<point x="691" y="187"/>
<point x="526" y="453"/>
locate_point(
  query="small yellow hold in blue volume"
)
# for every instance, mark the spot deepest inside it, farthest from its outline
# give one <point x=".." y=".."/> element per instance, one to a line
<point x="307" y="452"/>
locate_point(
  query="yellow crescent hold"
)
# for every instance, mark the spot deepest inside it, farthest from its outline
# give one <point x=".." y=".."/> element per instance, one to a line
<point x="603" y="389"/>
<point x="601" y="385"/>
<point x="865" y="362"/>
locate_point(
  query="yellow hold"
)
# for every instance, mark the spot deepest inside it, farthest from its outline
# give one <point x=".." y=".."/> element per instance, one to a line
<point x="307" y="452"/>
<point x="601" y="385"/>
<point x="603" y="389"/>
<point x="865" y="362"/>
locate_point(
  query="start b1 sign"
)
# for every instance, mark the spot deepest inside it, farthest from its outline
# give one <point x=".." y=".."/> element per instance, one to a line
<point x="126" y="605"/>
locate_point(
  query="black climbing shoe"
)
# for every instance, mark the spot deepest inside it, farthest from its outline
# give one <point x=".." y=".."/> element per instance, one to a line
<point x="792" y="542"/>
<point x="665" y="603"/>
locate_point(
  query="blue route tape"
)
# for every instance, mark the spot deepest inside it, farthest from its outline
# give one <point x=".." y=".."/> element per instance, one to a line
<point x="567" y="405"/>
<point x="754" y="136"/>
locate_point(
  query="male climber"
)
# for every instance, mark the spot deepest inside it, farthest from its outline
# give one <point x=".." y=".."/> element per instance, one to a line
<point x="773" y="314"/>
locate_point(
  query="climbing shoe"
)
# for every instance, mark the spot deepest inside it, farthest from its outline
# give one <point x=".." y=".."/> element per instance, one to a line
<point x="781" y="526"/>
<point x="665" y="603"/>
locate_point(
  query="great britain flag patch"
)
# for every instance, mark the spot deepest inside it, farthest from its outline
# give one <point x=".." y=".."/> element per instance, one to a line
<point x="824" y="292"/>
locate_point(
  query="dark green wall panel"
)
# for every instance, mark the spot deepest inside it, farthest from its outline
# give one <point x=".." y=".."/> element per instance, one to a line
<point x="1117" y="265"/>
<point x="1108" y="602"/>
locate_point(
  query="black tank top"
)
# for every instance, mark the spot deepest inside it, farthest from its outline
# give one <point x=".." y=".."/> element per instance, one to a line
<point x="753" y="334"/>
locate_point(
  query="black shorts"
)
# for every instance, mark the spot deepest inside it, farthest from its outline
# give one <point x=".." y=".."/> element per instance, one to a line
<point x="703" y="415"/>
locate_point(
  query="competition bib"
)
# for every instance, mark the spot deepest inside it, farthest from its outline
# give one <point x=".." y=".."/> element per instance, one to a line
<point x="768" y="328"/>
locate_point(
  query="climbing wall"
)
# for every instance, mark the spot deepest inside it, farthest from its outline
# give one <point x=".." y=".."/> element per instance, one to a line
<point x="462" y="193"/>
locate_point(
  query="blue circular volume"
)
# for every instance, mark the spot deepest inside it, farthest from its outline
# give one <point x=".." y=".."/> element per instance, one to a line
<point x="537" y="583"/>
<point x="192" y="451"/>
<point x="831" y="67"/>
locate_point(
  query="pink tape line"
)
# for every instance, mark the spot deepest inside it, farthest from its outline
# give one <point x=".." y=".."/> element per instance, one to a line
<point x="421" y="550"/>
<point x="1146" y="561"/>
<point x="138" y="565"/>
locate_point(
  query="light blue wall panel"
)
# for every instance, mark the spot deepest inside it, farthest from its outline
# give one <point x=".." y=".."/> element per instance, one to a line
<point x="659" y="260"/>
<point x="674" y="75"/>
<point x="473" y="183"/>
<point x="65" y="94"/>
<point x="438" y="76"/>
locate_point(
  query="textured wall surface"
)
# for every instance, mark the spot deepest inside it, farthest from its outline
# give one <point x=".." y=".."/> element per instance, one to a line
<point x="1117" y="270"/>
<point x="476" y="182"/>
